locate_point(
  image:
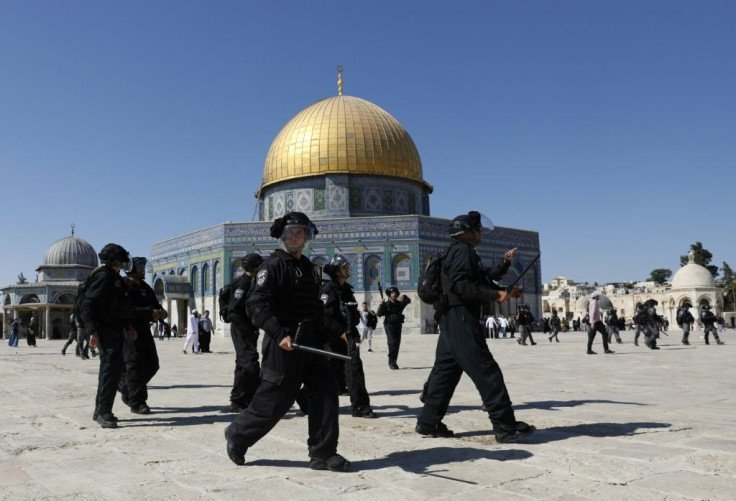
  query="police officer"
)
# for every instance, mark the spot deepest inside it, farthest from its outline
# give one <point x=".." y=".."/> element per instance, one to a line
<point x="461" y="346"/>
<point x="245" y="338"/>
<point x="651" y="326"/>
<point x="106" y="311"/>
<point x="555" y="324"/>
<point x="392" y="309"/>
<point x="612" y="326"/>
<point x="285" y="296"/>
<point x="685" y="319"/>
<point x="341" y="320"/>
<point x="140" y="355"/>
<point x="525" y="319"/>
<point x="709" y="321"/>
<point x="640" y="320"/>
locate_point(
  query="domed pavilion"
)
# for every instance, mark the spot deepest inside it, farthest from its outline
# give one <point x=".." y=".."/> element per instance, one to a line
<point x="356" y="172"/>
<point x="51" y="297"/>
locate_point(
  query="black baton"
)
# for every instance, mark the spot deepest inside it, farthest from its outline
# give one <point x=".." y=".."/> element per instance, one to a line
<point x="316" y="351"/>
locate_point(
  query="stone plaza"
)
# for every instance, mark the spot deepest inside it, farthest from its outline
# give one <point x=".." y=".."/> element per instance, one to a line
<point x="635" y="425"/>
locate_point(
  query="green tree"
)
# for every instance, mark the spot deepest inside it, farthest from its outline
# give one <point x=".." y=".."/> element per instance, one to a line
<point x="702" y="257"/>
<point x="660" y="275"/>
<point x="729" y="285"/>
<point x="22" y="279"/>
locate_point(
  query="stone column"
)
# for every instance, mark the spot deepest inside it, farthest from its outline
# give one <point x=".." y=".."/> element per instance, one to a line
<point x="47" y="322"/>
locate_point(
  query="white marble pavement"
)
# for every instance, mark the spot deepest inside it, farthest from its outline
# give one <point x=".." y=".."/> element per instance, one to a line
<point x="636" y="425"/>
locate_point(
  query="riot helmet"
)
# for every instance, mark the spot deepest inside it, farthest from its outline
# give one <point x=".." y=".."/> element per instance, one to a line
<point x="337" y="261"/>
<point x="687" y="304"/>
<point x="706" y="307"/>
<point x="294" y="231"/>
<point x="651" y="302"/>
<point x="251" y="262"/>
<point x="138" y="267"/>
<point x="391" y="289"/>
<point x="114" y="253"/>
<point x="464" y="223"/>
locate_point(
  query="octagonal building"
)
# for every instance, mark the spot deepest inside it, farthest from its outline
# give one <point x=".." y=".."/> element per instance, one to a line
<point x="355" y="170"/>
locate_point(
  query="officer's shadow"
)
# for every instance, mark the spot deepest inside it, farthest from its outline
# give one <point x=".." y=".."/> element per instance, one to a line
<point x="420" y="462"/>
<point x="180" y="416"/>
<point x="557" y="404"/>
<point x="599" y="430"/>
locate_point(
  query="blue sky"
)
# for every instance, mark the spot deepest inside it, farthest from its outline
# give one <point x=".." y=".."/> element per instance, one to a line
<point x="608" y="127"/>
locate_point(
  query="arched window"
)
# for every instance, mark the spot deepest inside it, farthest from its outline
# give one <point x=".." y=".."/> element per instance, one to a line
<point x="218" y="280"/>
<point x="195" y="280"/>
<point x="29" y="298"/>
<point x="66" y="298"/>
<point x="158" y="288"/>
<point x="372" y="273"/>
<point x="401" y="270"/>
<point x="206" y="278"/>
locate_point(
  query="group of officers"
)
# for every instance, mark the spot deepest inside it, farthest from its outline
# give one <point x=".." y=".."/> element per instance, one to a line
<point x="310" y="353"/>
<point x="310" y="349"/>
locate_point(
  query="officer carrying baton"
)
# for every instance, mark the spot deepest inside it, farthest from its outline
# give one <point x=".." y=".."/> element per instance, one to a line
<point x="316" y="351"/>
<point x="521" y="275"/>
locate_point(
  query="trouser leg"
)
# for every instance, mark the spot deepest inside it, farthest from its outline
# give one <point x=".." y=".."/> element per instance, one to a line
<point x="685" y="333"/>
<point x="246" y="376"/>
<point x="393" y="338"/>
<point x="111" y="362"/>
<point x="355" y="380"/>
<point x="443" y="379"/>
<point x="324" y="429"/>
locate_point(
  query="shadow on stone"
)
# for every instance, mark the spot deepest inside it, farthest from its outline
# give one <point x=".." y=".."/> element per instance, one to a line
<point x="594" y="430"/>
<point x="177" y="386"/>
<point x="394" y="392"/>
<point x="557" y="404"/>
<point x="421" y="461"/>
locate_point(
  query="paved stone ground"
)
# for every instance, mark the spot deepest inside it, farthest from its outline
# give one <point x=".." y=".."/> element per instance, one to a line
<point x="636" y="425"/>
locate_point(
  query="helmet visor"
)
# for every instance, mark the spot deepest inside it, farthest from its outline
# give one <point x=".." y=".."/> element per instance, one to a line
<point x="296" y="238"/>
<point x="127" y="264"/>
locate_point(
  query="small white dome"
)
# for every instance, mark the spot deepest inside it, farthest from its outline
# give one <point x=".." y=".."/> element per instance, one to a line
<point x="693" y="275"/>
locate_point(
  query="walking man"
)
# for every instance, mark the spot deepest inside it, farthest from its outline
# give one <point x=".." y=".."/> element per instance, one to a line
<point x="461" y="347"/>
<point x="596" y="324"/>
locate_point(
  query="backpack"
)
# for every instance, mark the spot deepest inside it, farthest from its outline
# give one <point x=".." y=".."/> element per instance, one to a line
<point x="641" y="317"/>
<point x="372" y="321"/>
<point x="429" y="289"/>
<point x="680" y="314"/>
<point x="223" y="301"/>
<point x="81" y="291"/>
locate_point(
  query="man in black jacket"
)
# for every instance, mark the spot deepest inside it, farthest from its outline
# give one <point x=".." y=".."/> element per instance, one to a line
<point x="393" y="309"/>
<point x="341" y="320"/>
<point x="107" y="312"/>
<point x="461" y="346"/>
<point x="140" y="355"/>
<point x="285" y="298"/>
<point x="684" y="320"/>
<point x="245" y="338"/>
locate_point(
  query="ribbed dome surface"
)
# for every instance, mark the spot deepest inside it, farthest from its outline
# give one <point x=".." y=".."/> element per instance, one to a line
<point x="693" y="275"/>
<point x="342" y="134"/>
<point x="71" y="250"/>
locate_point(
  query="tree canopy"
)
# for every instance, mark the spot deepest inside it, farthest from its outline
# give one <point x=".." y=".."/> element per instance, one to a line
<point x="660" y="275"/>
<point x="702" y="257"/>
<point x="22" y="279"/>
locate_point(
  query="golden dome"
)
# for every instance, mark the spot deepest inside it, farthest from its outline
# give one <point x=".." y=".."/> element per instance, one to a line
<point x="342" y="135"/>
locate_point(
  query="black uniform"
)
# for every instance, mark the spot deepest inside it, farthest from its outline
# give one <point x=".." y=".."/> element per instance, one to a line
<point x="640" y="320"/>
<point x="684" y="320"/>
<point x="709" y="321"/>
<point x="107" y="311"/>
<point x="612" y="326"/>
<point x="555" y="324"/>
<point x="338" y="310"/>
<point x="651" y="328"/>
<point x="140" y="355"/>
<point x="392" y="309"/>
<point x="462" y="347"/>
<point x="286" y="292"/>
<point x="245" y="340"/>
<point x="525" y="320"/>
